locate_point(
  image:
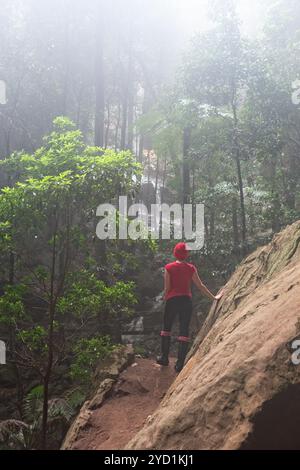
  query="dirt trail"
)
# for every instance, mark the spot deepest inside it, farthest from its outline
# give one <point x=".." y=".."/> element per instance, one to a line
<point x="134" y="397"/>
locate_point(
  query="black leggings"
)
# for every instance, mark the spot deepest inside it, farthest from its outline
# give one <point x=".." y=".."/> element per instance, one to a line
<point x="181" y="305"/>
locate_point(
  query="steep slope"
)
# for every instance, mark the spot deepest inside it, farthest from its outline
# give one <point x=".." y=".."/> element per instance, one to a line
<point x="239" y="387"/>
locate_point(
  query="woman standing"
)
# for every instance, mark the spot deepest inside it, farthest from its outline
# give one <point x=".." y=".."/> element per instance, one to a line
<point x="178" y="278"/>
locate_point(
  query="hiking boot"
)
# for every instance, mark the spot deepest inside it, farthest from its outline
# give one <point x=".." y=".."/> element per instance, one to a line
<point x="163" y="360"/>
<point x="182" y="352"/>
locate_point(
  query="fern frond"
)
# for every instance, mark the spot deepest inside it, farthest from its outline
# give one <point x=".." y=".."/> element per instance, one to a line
<point x="59" y="407"/>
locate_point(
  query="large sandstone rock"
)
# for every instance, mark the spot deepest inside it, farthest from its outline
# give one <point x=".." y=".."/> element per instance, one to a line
<point x="239" y="388"/>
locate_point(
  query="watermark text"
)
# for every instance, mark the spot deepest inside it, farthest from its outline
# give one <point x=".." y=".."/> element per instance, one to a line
<point x="164" y="222"/>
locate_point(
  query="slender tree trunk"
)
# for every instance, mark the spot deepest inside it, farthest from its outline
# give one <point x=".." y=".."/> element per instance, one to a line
<point x="99" y="78"/>
<point x="16" y="371"/>
<point x="212" y="223"/>
<point x="79" y="104"/>
<point x="156" y="177"/>
<point x="124" y="117"/>
<point x="49" y="365"/>
<point x="242" y="202"/>
<point x="47" y="379"/>
<point x="292" y="179"/>
<point x="148" y="167"/>
<point x="275" y="211"/>
<point x="118" y="127"/>
<point x="141" y="149"/>
<point x="107" y="126"/>
<point x="142" y="142"/>
<point x="130" y="101"/>
<point x="211" y="209"/>
<point x="164" y="173"/>
<point x="7" y="143"/>
<point x="136" y="136"/>
<point x="186" y="184"/>
<point x="66" y="78"/>
<point x="237" y="157"/>
<point x="130" y="122"/>
<point x="235" y="230"/>
<point x="12" y="337"/>
<point x="193" y="185"/>
<point x="11" y="279"/>
<point x="206" y="228"/>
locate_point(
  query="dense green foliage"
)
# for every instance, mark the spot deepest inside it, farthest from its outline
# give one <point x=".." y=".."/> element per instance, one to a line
<point x="232" y="127"/>
<point x="216" y="125"/>
<point x="50" y="257"/>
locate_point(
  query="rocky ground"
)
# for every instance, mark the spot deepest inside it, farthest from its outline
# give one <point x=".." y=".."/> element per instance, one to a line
<point x="111" y="423"/>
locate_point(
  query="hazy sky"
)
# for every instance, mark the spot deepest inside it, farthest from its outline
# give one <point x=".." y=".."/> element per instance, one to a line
<point x="192" y="14"/>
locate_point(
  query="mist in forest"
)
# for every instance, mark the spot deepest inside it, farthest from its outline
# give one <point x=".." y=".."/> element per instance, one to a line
<point x="176" y="101"/>
<point x="55" y="56"/>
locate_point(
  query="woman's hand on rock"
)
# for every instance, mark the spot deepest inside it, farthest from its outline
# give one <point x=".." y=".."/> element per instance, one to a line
<point x="219" y="295"/>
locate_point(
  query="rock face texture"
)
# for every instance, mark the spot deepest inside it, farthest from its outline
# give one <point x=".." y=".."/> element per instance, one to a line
<point x="239" y="388"/>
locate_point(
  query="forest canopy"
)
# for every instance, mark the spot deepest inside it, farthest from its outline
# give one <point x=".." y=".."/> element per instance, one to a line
<point x="128" y="98"/>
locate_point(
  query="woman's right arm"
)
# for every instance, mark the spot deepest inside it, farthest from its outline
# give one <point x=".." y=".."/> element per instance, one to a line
<point x="167" y="283"/>
<point x="197" y="281"/>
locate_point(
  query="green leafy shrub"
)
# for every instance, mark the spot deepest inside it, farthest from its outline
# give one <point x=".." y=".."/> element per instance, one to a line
<point x="88" y="353"/>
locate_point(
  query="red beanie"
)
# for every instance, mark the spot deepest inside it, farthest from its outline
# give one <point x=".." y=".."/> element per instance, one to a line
<point x="180" y="251"/>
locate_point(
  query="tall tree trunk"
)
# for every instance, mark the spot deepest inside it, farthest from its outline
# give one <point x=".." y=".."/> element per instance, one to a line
<point x="206" y="228"/>
<point x="237" y="158"/>
<point x="48" y="371"/>
<point x="211" y="208"/>
<point x="107" y="126"/>
<point x="125" y="104"/>
<point x="12" y="337"/>
<point x="292" y="179"/>
<point x="212" y="223"/>
<point x="99" y="78"/>
<point x="124" y="118"/>
<point x="142" y="140"/>
<point x="235" y="230"/>
<point x="130" y="122"/>
<point x="79" y="104"/>
<point x="275" y="204"/>
<point x="47" y="378"/>
<point x="66" y="60"/>
<point x="186" y="184"/>
<point x="130" y="76"/>
<point x="193" y="184"/>
<point x="141" y="149"/>
<point x="148" y="167"/>
<point x="11" y="279"/>
<point x="117" y="127"/>
<point x="164" y="173"/>
<point x="156" y="177"/>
